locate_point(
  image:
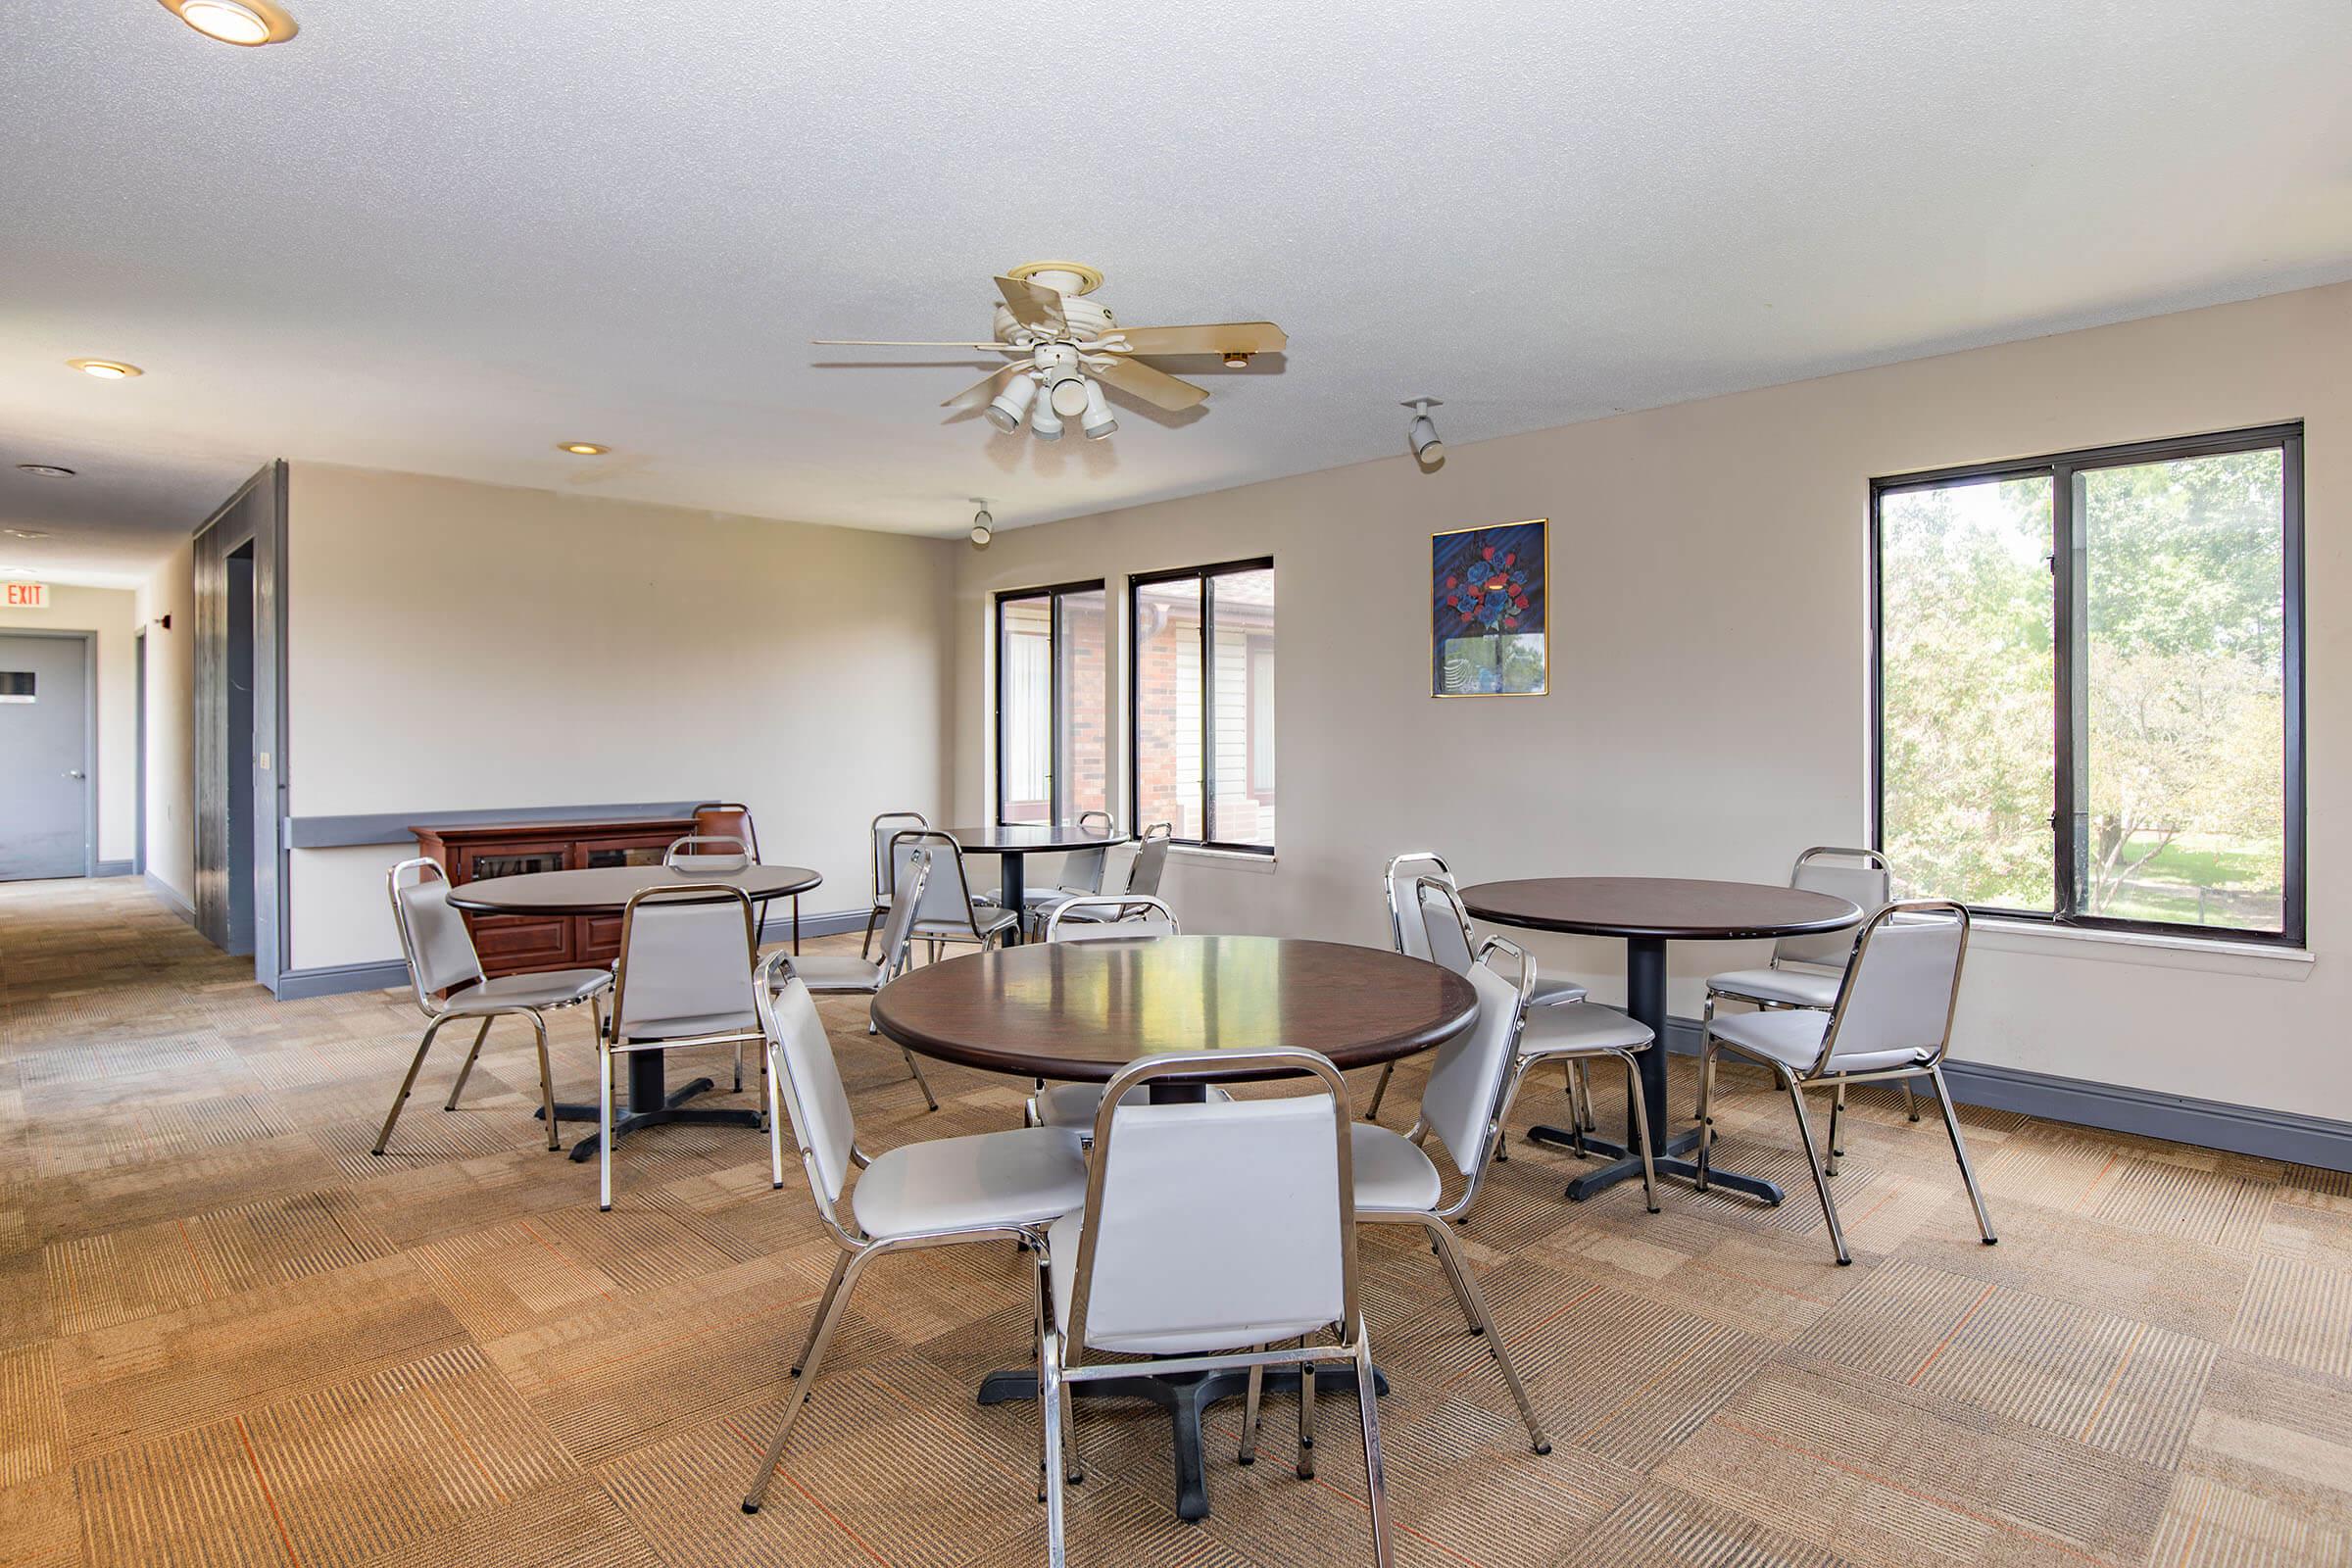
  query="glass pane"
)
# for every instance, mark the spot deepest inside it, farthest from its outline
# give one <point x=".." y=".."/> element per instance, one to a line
<point x="1167" y="706"/>
<point x="489" y="865"/>
<point x="2185" y="719"/>
<point x="1970" y="760"/>
<point x="1242" y="604"/>
<point x="1082" y="764"/>
<point x="1024" y="716"/>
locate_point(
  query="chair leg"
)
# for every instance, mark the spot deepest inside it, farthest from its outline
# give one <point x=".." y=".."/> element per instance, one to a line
<point x="1836" y="1128"/>
<point x="1380" y="1090"/>
<point x="1583" y="1091"/>
<point x="1482" y="1322"/>
<point x="1307" y="1421"/>
<point x="920" y="1082"/>
<point x="1910" y="1106"/>
<point x="466" y="1068"/>
<point x="799" y="1395"/>
<point x="547" y="1082"/>
<point x="824" y="1304"/>
<point x="1052" y="1393"/>
<point x="1576" y="1114"/>
<point x="1821" y="1180"/>
<point x="775" y="1124"/>
<point x="603" y="1126"/>
<point x="738" y="1066"/>
<point x="1376" y="1479"/>
<point x="873" y="918"/>
<point x="1706" y="1026"/>
<point x="1968" y="1174"/>
<point x="1706" y="1107"/>
<point x="1249" y="1407"/>
<point x="409" y="1082"/>
<point x="1632" y="1093"/>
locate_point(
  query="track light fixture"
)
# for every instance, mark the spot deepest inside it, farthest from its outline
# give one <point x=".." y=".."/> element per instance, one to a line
<point x="1099" y="421"/>
<point x="1422" y="433"/>
<point x="983" y="525"/>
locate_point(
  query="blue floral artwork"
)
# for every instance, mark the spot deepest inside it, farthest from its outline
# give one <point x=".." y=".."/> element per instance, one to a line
<point x="1487" y="607"/>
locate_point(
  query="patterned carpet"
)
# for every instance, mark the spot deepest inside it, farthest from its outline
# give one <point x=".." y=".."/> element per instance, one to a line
<point x="229" y="1336"/>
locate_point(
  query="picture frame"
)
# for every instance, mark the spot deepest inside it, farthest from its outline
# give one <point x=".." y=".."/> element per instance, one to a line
<point x="1490" y="610"/>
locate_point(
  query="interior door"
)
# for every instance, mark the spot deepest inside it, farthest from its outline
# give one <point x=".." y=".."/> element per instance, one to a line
<point x="44" y="757"/>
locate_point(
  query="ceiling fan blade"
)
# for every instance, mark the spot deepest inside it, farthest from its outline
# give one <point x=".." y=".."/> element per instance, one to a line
<point x="985" y="389"/>
<point x="1033" y="304"/>
<point x="1217" y="337"/>
<point x="1152" y="386"/>
<point x="894" y="343"/>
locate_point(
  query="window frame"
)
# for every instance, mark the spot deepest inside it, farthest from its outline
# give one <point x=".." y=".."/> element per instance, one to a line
<point x="2068" y="721"/>
<point x="1203" y="576"/>
<point x="1055" y="786"/>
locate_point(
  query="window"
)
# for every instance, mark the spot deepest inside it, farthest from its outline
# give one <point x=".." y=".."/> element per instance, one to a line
<point x="2089" y="685"/>
<point x="1052" y="702"/>
<point x="1202" y="706"/>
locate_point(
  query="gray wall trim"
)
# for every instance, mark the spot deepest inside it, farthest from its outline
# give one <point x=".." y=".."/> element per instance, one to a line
<point x="392" y="828"/>
<point x="335" y="979"/>
<point x="113" y="869"/>
<point x="2288" y="1135"/>
<point x="169" y="896"/>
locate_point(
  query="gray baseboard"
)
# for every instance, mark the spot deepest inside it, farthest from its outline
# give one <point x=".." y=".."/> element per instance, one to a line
<point x="2287" y="1135"/>
<point x="112" y="868"/>
<point x="169" y="896"/>
<point x="777" y="926"/>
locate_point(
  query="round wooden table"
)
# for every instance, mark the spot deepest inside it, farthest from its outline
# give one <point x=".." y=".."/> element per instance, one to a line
<point x="607" y="890"/>
<point x="1012" y="843"/>
<point x="1081" y="1011"/>
<point x="1649" y="912"/>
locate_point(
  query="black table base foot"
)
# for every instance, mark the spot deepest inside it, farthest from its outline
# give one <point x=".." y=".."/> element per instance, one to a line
<point x="1625" y="1165"/>
<point x="674" y="1108"/>
<point x="1186" y="1396"/>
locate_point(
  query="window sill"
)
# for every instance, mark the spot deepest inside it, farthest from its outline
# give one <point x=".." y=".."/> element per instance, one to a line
<point x="1229" y="859"/>
<point x="2138" y="947"/>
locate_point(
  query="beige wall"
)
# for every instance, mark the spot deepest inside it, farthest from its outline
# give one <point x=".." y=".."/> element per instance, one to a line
<point x="1707" y="714"/>
<point x="107" y="612"/>
<point x="459" y="645"/>
<point x="171" y="803"/>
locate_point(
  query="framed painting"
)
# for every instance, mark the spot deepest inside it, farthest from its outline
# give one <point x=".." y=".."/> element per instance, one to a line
<point x="1488" y="606"/>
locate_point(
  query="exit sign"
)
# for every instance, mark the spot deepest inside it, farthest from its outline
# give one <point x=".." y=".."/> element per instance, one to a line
<point x="25" y="595"/>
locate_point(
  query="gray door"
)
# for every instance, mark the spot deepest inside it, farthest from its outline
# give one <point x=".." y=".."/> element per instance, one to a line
<point x="44" y="757"/>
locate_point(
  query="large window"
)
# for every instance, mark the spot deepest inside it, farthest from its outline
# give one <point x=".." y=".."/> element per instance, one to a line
<point x="1052" y="702"/>
<point x="1203" y="703"/>
<point x="2089" y="685"/>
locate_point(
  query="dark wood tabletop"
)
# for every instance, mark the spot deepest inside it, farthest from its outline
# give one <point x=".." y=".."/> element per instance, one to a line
<point x="1668" y="908"/>
<point x="1020" y="838"/>
<point x="1079" y="1012"/>
<point x="608" y="889"/>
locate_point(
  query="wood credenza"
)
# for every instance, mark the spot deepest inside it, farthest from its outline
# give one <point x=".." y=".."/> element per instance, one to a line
<point x="510" y="944"/>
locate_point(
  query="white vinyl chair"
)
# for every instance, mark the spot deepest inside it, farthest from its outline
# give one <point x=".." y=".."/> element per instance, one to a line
<point x="446" y="973"/>
<point x="989" y="1186"/>
<point x="1144" y="871"/>
<point x="1210" y="1233"/>
<point x="1891" y="1020"/>
<point x="1105" y="917"/>
<point x="884" y="828"/>
<point x="1081" y="875"/>
<point x="706" y="854"/>
<point x="840" y="975"/>
<point x="683" y="979"/>
<point x="1804" y="971"/>
<point x="946" y="910"/>
<point x="1397" y="882"/>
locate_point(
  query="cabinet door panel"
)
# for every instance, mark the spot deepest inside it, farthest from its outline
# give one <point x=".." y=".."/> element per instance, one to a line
<point x="512" y="943"/>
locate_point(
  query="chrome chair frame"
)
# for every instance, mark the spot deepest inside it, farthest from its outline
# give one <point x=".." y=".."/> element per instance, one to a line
<point x="934" y="841"/>
<point x="894" y="956"/>
<point x="1795" y="1083"/>
<point x="1040" y="902"/>
<point x="438" y="1011"/>
<point x="677" y="851"/>
<point x="1105" y="929"/>
<point x="879" y="848"/>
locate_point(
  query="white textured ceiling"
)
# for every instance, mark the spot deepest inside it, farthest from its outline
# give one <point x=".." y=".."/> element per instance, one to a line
<point x="442" y="237"/>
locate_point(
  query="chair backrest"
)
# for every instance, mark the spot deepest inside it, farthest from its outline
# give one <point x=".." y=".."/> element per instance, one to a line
<point x="1901" y="989"/>
<point x="1861" y="877"/>
<point x="807" y="1079"/>
<point x="1220" y="1225"/>
<point x="728" y="819"/>
<point x="1465" y="1082"/>
<point x="432" y="934"/>
<point x="945" y="896"/>
<point x="896" y="929"/>
<point x="1116" y="918"/>
<point x="886" y="826"/>
<point x="1445" y="925"/>
<point x="707" y="853"/>
<point x="1398" y="882"/>
<point x="1083" y="868"/>
<point x="685" y="953"/>
<point x="1150" y="858"/>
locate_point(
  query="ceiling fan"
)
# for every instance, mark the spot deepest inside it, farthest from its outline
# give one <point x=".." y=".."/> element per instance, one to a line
<point x="1068" y="347"/>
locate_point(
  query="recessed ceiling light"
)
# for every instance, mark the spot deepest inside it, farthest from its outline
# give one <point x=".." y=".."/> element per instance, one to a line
<point x="25" y="533"/>
<point x="247" y="24"/>
<point x="106" y="370"/>
<point x="47" y="470"/>
<point x="583" y="449"/>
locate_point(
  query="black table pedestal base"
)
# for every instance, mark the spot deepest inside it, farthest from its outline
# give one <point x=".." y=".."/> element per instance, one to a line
<point x="1186" y="1396"/>
<point x="1626" y="1165"/>
<point x="651" y="1106"/>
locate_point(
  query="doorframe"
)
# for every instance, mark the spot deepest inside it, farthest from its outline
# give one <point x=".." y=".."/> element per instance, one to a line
<point x="138" y="851"/>
<point x="89" y="732"/>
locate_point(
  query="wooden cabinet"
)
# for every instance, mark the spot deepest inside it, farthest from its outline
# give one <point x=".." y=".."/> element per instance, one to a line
<point x="510" y="944"/>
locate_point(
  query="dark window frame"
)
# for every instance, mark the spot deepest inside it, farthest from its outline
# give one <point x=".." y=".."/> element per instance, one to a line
<point x="2068" y="720"/>
<point x="1208" y="702"/>
<point x="1056" y="797"/>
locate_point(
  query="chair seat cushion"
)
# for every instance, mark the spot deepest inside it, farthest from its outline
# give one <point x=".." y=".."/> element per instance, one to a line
<point x="824" y="972"/>
<point x="708" y="1023"/>
<point x="1391" y="1173"/>
<point x="1583" y="1026"/>
<point x="1019" y="1177"/>
<point x="1075" y="1104"/>
<point x="1063" y="1244"/>
<point x="550" y="988"/>
<point x="1555" y="993"/>
<point x="986" y="917"/>
<point x="1792" y="1038"/>
<point x="1796" y="988"/>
